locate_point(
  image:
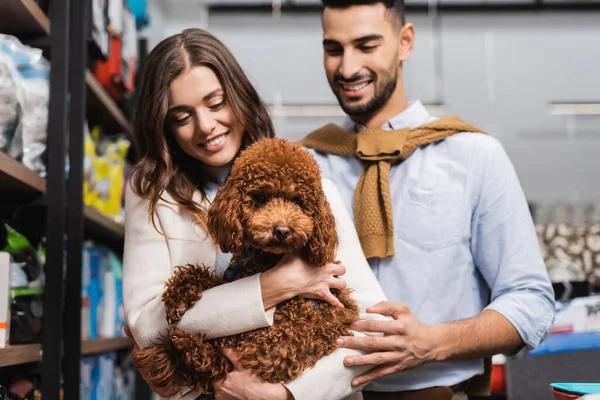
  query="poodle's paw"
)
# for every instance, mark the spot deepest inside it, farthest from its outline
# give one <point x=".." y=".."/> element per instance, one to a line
<point x="185" y="288"/>
<point x="198" y="355"/>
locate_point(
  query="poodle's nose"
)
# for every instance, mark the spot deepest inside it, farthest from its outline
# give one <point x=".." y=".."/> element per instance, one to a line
<point x="281" y="231"/>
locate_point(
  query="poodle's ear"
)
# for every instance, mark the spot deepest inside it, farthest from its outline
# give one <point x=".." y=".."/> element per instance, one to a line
<point x="224" y="218"/>
<point x="322" y="246"/>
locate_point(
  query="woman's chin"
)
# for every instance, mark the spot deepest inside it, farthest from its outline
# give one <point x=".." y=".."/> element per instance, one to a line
<point x="220" y="159"/>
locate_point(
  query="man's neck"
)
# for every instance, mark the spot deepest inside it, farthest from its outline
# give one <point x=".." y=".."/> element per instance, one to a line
<point x="395" y="105"/>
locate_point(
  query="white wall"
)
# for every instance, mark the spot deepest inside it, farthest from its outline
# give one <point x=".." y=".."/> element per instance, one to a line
<point x="498" y="71"/>
<point x="168" y="17"/>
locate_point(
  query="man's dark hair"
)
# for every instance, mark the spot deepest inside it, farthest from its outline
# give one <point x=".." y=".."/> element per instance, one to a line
<point x="394" y="7"/>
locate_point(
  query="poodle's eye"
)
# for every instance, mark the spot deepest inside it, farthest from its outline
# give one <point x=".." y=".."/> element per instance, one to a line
<point x="298" y="202"/>
<point x="260" y="199"/>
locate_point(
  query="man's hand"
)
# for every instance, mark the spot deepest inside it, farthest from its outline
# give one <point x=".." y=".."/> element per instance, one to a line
<point x="406" y="344"/>
<point x="242" y="384"/>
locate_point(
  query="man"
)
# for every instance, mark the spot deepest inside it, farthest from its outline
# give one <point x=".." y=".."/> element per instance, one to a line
<point x="462" y="266"/>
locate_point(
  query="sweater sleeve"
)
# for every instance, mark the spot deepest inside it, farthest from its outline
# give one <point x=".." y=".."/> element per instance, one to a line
<point x="330" y="379"/>
<point x="225" y="310"/>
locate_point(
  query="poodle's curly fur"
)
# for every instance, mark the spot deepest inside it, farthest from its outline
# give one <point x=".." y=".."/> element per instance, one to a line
<point x="272" y="204"/>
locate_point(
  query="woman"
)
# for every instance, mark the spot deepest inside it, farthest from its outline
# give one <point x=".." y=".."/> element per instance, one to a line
<point x="196" y="111"/>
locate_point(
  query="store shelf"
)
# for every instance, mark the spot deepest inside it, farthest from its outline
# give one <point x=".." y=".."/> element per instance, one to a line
<point x="102" y="226"/>
<point x="22" y="354"/>
<point x="103" y="108"/>
<point x="22" y="17"/>
<point x="29" y="353"/>
<point x="105" y="345"/>
<point x="15" y="177"/>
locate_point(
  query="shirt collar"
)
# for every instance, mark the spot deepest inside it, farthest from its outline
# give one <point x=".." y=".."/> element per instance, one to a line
<point x="217" y="177"/>
<point x="415" y="115"/>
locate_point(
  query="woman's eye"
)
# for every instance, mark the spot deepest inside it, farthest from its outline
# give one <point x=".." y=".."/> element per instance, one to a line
<point x="181" y="119"/>
<point x="260" y="199"/>
<point x="217" y="106"/>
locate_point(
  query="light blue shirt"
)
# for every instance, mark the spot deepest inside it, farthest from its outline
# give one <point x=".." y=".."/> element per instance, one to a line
<point x="462" y="232"/>
<point x="211" y="188"/>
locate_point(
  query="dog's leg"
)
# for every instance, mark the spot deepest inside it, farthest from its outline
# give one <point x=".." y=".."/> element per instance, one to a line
<point x="202" y="358"/>
<point x="185" y="288"/>
<point x="158" y="366"/>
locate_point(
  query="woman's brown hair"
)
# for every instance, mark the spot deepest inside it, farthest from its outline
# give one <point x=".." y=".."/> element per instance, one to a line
<point x="163" y="165"/>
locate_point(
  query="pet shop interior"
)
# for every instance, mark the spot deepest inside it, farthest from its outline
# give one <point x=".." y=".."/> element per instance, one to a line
<point x="525" y="71"/>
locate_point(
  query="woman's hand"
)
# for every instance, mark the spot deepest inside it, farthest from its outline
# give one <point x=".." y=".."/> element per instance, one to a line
<point x="242" y="384"/>
<point x="294" y="277"/>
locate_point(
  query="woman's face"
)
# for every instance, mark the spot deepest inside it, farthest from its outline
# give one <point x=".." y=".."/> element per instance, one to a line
<point x="201" y="118"/>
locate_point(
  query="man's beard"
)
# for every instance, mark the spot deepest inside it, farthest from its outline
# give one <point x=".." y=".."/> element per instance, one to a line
<point x="384" y="89"/>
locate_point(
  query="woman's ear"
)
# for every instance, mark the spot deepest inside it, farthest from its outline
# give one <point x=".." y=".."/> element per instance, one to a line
<point x="224" y="218"/>
<point x="322" y="246"/>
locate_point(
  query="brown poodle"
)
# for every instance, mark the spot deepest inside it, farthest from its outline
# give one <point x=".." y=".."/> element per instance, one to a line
<point x="272" y="204"/>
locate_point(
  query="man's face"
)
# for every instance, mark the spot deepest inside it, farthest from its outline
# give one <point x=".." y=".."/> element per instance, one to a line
<point x="361" y="56"/>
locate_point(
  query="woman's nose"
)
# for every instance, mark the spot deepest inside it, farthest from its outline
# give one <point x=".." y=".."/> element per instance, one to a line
<point x="206" y="123"/>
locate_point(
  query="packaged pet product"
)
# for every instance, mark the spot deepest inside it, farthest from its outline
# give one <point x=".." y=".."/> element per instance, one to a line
<point x="95" y="291"/>
<point x="4" y="298"/>
<point x="129" y="51"/>
<point x="139" y="8"/>
<point x="86" y="383"/>
<point x="100" y="37"/>
<point x="27" y="262"/>
<point x="102" y="185"/>
<point x="116" y="155"/>
<point x="29" y="142"/>
<point x="11" y="98"/>
<point x="109" y="175"/>
<point x="106" y="368"/>
<point x="113" y="317"/>
<point x="85" y="291"/>
<point x="26" y="310"/>
<point x="115" y="17"/>
<point x="90" y="365"/>
<point x="89" y="167"/>
<point x="36" y="81"/>
<point x="109" y="298"/>
<point x="117" y="73"/>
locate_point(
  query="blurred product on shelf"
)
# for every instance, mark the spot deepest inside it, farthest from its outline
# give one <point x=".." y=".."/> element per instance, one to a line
<point x="99" y="35"/>
<point x="4" y="299"/>
<point x="108" y="376"/>
<point x="569" y="238"/>
<point x="105" y="376"/>
<point x="102" y="313"/>
<point x="22" y="384"/>
<point x="21" y="290"/>
<point x="578" y="316"/>
<point x="117" y="72"/>
<point x="105" y="161"/>
<point x="139" y="8"/>
<point x="24" y="96"/>
<point x="27" y="267"/>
